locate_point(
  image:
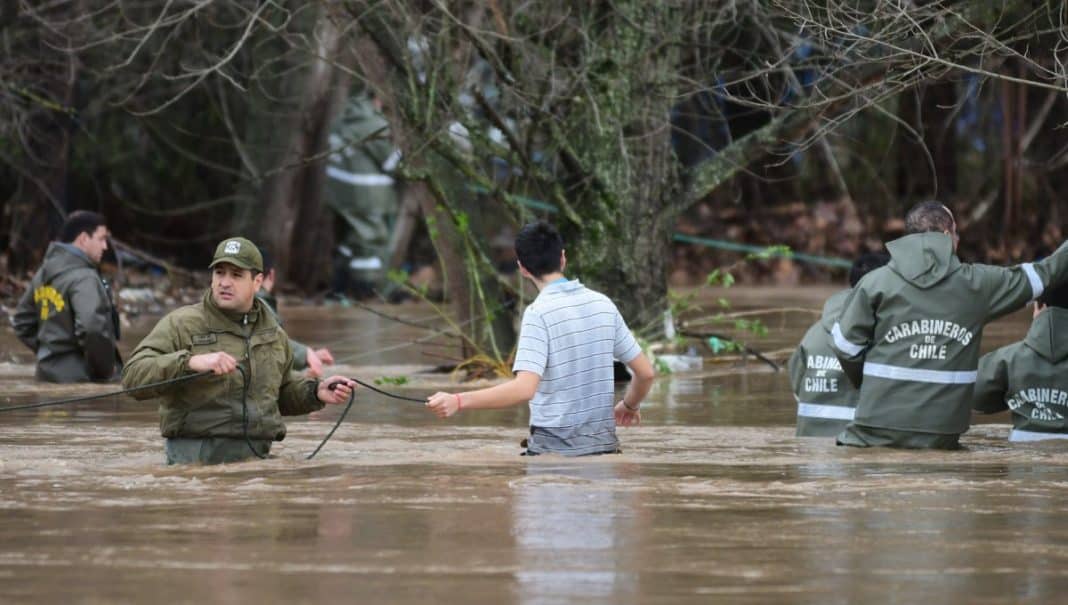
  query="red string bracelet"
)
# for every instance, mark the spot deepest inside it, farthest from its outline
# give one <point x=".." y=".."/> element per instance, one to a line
<point x="459" y="402"/>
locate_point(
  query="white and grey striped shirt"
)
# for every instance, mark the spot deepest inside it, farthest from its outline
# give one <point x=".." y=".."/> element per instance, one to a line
<point x="569" y="337"/>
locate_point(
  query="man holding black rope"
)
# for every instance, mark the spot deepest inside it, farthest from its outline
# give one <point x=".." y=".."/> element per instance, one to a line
<point x="235" y="414"/>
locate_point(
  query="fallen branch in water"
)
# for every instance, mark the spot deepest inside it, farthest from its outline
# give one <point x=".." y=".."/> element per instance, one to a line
<point x="719" y="317"/>
<point x="155" y="260"/>
<point x="743" y="346"/>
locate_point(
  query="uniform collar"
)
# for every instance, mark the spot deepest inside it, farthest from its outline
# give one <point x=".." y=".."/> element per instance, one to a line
<point x="229" y="320"/>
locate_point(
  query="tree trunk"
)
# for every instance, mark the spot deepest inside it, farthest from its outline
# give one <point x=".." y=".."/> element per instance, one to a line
<point x="40" y="200"/>
<point x="294" y="224"/>
<point x="926" y="157"/>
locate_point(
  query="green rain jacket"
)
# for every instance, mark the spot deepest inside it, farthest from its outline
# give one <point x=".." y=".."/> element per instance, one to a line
<point x="825" y="397"/>
<point x="1031" y="379"/>
<point x="68" y="319"/>
<point x="211" y="406"/>
<point x="359" y="186"/>
<point x="910" y="331"/>
<point x="300" y="350"/>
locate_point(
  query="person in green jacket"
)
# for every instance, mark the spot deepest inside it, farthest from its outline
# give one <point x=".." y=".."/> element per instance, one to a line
<point x="235" y="413"/>
<point x="304" y="357"/>
<point x="1030" y="377"/>
<point x="360" y="187"/>
<point x="67" y="316"/>
<point x="908" y="335"/>
<point x="826" y="400"/>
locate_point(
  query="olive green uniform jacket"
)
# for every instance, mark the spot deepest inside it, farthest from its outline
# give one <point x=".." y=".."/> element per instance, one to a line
<point x="212" y="406"/>
<point x="359" y="187"/>
<point x="68" y="319"/>
<point x="908" y="337"/>
<point x="825" y="397"/>
<point x="1031" y="379"/>
<point x="300" y="350"/>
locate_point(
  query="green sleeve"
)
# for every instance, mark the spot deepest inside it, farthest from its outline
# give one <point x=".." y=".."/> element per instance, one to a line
<point x="297" y="395"/>
<point x="1010" y="288"/>
<point x="992" y="383"/>
<point x="92" y="325"/>
<point x="160" y="356"/>
<point x="853" y="333"/>
<point x="796" y="367"/>
<point x="24" y="321"/>
<point x="300" y="355"/>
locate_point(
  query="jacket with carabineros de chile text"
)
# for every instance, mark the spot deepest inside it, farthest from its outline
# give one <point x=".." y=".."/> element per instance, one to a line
<point x="825" y="397"/>
<point x="1030" y="378"/>
<point x="909" y="334"/>
<point x="211" y="406"/>
<point x="68" y="319"/>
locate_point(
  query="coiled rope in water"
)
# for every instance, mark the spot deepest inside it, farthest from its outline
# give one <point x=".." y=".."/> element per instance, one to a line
<point x="244" y="402"/>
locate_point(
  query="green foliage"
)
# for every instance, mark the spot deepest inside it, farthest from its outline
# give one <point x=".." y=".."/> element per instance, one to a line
<point x="391" y="380"/>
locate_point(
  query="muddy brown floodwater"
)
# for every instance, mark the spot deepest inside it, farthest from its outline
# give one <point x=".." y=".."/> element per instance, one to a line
<point x="713" y="499"/>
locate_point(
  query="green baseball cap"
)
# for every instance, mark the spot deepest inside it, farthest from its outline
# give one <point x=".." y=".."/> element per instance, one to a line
<point x="240" y="252"/>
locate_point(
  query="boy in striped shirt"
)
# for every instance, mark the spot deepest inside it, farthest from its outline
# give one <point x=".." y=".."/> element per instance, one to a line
<point x="563" y="367"/>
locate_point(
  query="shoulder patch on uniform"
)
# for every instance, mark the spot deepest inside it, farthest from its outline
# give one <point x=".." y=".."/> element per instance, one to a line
<point x="204" y="339"/>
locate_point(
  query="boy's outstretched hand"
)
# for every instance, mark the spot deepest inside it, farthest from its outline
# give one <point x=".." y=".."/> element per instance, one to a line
<point x="443" y="404"/>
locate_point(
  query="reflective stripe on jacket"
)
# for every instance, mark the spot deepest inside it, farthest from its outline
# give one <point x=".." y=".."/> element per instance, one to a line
<point x="909" y="333"/>
<point x="825" y="397"/>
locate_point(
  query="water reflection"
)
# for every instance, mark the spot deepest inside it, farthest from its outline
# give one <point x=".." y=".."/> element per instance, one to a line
<point x="574" y="534"/>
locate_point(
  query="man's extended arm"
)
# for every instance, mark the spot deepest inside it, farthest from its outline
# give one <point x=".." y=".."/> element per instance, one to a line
<point x="297" y="395"/>
<point x="514" y="392"/>
<point x="626" y="411"/>
<point x="157" y="358"/>
<point x="1010" y="288"/>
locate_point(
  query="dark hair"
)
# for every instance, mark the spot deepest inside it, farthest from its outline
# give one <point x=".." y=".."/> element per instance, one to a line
<point x="268" y="259"/>
<point x="928" y="216"/>
<point x="538" y="246"/>
<point x="1056" y="296"/>
<point x="866" y="263"/>
<point x="78" y="222"/>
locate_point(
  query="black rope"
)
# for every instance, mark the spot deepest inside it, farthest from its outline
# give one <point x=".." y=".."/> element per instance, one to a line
<point x="348" y="406"/>
<point x="44" y="404"/>
<point x="244" y="403"/>
<point x="345" y="412"/>
<point x="245" y="379"/>
<point x="387" y="393"/>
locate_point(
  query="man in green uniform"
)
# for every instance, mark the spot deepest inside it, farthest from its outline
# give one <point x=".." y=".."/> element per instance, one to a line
<point x="361" y="189"/>
<point x="235" y="413"/>
<point x="1030" y="377"/>
<point x="826" y="400"/>
<point x="67" y="316"/>
<point x="304" y="357"/>
<point x="911" y="331"/>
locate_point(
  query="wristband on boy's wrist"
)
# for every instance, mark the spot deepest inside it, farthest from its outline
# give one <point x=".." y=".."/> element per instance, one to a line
<point x="633" y="409"/>
<point x="459" y="402"/>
